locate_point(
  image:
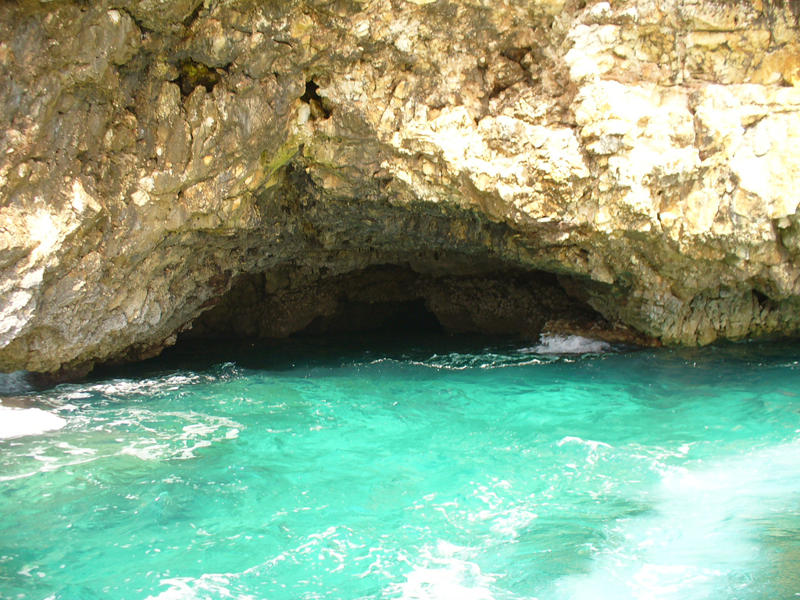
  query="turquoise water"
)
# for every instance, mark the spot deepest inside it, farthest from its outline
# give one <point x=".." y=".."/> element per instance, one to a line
<point x="448" y="470"/>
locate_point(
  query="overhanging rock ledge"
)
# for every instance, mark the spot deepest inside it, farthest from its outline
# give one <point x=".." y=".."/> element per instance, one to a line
<point x="629" y="169"/>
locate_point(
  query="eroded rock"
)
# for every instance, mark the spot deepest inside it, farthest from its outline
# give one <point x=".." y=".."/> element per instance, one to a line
<point x="154" y="153"/>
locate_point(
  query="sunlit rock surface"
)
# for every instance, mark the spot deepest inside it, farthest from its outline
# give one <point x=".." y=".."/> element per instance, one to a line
<point x="641" y="155"/>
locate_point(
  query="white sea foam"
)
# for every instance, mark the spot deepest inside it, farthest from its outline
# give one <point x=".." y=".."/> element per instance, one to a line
<point x="327" y="545"/>
<point x="19" y="422"/>
<point x="445" y="572"/>
<point x="567" y="344"/>
<point x="592" y="445"/>
<point x="126" y="387"/>
<point x="510" y="523"/>
<point x="703" y="530"/>
<point x="201" y="431"/>
<point x="456" y="361"/>
<point x="210" y="585"/>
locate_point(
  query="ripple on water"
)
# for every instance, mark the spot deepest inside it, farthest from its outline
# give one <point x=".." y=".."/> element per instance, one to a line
<point x="499" y="474"/>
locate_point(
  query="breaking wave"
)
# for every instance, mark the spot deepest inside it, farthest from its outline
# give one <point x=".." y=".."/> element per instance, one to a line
<point x="568" y="344"/>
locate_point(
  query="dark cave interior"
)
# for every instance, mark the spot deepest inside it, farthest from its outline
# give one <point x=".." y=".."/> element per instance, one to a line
<point x="395" y="298"/>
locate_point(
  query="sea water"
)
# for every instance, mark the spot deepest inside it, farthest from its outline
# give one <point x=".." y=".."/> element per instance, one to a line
<point x="426" y="469"/>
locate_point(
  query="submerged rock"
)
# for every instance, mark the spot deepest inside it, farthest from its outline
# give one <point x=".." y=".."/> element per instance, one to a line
<point x="638" y="160"/>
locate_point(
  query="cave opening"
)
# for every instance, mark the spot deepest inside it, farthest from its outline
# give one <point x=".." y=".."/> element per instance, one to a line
<point x="395" y="299"/>
<point x="392" y="317"/>
<point x="324" y="265"/>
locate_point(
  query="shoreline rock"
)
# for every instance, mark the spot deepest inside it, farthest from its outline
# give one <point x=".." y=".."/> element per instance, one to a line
<point x="642" y="153"/>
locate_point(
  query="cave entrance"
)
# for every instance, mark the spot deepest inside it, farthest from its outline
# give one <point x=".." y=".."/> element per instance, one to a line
<point x="396" y="298"/>
<point x="401" y="317"/>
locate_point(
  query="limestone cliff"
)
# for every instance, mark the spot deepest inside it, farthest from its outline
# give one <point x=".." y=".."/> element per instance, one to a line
<point x="629" y="166"/>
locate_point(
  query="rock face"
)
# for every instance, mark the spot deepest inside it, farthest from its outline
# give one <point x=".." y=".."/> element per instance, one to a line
<point x="630" y="167"/>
